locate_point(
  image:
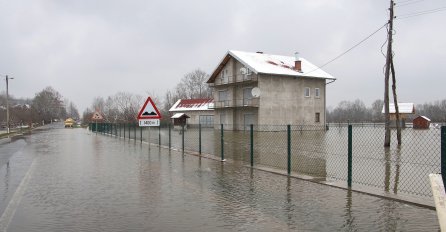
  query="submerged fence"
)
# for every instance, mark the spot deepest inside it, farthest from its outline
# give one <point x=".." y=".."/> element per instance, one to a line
<point x="354" y="154"/>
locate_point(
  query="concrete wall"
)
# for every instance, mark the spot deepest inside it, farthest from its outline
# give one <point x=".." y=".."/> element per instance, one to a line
<point x="282" y="100"/>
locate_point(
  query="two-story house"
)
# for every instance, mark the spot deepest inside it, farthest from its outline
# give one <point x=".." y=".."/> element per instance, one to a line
<point x="263" y="89"/>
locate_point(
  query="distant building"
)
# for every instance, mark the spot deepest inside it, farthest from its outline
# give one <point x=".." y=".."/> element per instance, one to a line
<point x="257" y="88"/>
<point x="179" y="120"/>
<point x="199" y="111"/>
<point x="421" y="122"/>
<point x="405" y="109"/>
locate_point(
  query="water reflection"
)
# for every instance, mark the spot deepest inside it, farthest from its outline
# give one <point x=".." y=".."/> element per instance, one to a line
<point x="6" y="182"/>
<point x="392" y="159"/>
<point x="349" y="221"/>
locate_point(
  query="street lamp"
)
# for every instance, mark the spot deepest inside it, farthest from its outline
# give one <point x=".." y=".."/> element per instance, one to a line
<point x="7" y="103"/>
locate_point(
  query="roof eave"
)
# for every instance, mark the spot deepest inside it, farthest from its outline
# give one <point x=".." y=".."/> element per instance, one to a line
<point x="297" y="75"/>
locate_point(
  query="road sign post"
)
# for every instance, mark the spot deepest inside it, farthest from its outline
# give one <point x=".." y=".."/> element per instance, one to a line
<point x="149" y="115"/>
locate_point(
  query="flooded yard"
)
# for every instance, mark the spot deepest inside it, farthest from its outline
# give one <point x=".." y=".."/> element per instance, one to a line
<point x="76" y="180"/>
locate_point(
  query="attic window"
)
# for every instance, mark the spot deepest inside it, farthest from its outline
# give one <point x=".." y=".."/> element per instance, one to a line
<point x="271" y="62"/>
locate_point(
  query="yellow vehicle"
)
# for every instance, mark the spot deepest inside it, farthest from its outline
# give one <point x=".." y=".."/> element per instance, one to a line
<point x="69" y="122"/>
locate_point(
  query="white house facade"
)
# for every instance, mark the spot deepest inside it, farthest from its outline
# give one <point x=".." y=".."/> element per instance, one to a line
<point x="263" y="89"/>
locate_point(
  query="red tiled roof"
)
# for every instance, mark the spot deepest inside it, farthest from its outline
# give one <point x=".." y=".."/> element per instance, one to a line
<point x="192" y="103"/>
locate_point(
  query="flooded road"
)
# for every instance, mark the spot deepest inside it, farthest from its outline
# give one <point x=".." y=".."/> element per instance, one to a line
<point x="60" y="179"/>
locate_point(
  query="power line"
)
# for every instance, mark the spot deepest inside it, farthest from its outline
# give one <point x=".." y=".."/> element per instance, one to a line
<point x="348" y="50"/>
<point x="408" y="3"/>
<point x="402" y="2"/>
<point x="414" y="14"/>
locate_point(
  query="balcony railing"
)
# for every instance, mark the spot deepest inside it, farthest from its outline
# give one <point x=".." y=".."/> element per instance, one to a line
<point x="246" y="102"/>
<point x="227" y="80"/>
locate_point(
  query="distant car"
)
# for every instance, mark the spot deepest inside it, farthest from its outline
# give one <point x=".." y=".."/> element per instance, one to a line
<point x="69" y="122"/>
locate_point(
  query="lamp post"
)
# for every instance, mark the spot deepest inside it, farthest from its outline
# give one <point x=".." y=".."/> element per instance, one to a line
<point x="7" y="103"/>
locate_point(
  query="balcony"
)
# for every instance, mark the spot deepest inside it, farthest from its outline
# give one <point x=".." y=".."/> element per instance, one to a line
<point x="230" y="80"/>
<point x="236" y="103"/>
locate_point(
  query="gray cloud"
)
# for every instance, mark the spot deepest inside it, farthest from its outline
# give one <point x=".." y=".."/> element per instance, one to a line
<point x="97" y="48"/>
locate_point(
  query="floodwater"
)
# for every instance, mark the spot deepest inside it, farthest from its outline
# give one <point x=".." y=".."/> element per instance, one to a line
<point x="399" y="170"/>
<point x="74" y="180"/>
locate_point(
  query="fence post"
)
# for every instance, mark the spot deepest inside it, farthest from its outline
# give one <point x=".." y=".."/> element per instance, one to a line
<point x="443" y="155"/>
<point x="222" y="144"/>
<point x="169" y="136"/>
<point x="182" y="137"/>
<point x="124" y="130"/>
<point x="251" y="133"/>
<point x="289" y="148"/>
<point x="134" y="132"/>
<point x="199" y="139"/>
<point x="350" y="158"/>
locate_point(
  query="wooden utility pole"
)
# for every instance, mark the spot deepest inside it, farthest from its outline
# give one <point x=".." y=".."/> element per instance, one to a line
<point x="386" y="77"/>
<point x="395" y="100"/>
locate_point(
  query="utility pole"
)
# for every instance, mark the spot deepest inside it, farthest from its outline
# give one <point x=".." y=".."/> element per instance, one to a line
<point x="7" y="103"/>
<point x="386" y="77"/>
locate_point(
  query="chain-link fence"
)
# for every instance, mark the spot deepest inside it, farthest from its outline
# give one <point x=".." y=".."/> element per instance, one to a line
<point x="341" y="152"/>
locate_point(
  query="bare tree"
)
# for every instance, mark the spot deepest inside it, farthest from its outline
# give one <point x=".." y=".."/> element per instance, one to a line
<point x="72" y="111"/>
<point x="376" y="111"/>
<point x="49" y="105"/>
<point x="193" y="85"/>
<point x="121" y="107"/>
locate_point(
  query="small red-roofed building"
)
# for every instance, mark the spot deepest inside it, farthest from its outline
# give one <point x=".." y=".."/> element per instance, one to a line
<point x="199" y="111"/>
<point x="421" y="122"/>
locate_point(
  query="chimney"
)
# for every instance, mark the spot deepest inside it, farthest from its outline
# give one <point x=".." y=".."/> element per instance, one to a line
<point x="297" y="62"/>
<point x="259" y="52"/>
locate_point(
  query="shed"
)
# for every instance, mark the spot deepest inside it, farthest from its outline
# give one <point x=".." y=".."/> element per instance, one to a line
<point x="421" y="122"/>
<point x="405" y="109"/>
<point x="179" y="120"/>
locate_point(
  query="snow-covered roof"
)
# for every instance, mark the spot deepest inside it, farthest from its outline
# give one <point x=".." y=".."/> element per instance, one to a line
<point x="272" y="64"/>
<point x="426" y="118"/>
<point x="404" y="108"/>
<point x="192" y="105"/>
<point x="179" y="115"/>
<point x="26" y="106"/>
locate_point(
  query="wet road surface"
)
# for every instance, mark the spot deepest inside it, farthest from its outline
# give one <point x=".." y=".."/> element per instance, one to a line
<point x="60" y="179"/>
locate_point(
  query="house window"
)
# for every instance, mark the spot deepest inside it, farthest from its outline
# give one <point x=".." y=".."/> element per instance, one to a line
<point x="206" y="120"/>
<point x="224" y="76"/>
<point x="317" y="117"/>
<point x="223" y="97"/>
<point x="247" y="96"/>
<point x="317" y="93"/>
<point x="307" y="92"/>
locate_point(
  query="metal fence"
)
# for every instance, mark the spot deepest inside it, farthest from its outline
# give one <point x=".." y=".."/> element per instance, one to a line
<point x="352" y="154"/>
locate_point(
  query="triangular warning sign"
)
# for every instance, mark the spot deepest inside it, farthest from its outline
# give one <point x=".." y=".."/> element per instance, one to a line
<point x="97" y="116"/>
<point x="149" y="110"/>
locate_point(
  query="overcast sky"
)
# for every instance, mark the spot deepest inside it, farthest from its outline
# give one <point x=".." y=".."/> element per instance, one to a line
<point x="88" y="48"/>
